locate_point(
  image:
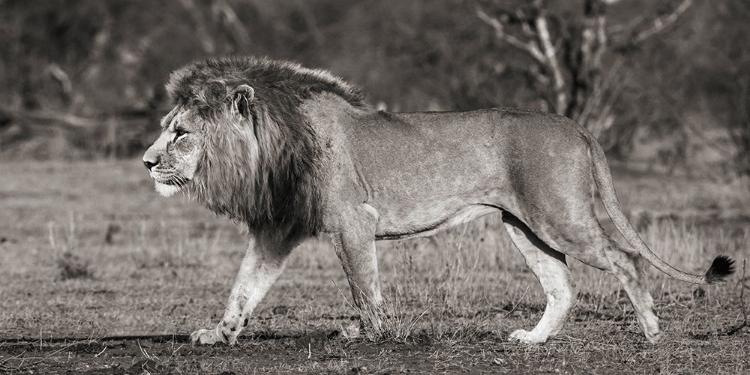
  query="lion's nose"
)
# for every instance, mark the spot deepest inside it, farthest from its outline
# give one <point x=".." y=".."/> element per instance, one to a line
<point x="150" y="163"/>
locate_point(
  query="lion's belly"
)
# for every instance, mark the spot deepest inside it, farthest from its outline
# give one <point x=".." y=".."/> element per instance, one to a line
<point x="427" y="219"/>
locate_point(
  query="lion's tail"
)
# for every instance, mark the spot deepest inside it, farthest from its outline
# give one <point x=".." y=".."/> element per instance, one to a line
<point x="722" y="265"/>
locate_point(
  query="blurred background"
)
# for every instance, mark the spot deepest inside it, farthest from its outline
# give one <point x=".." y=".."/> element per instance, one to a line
<point x="662" y="84"/>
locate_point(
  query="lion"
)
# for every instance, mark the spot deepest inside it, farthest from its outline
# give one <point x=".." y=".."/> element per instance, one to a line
<point x="292" y="153"/>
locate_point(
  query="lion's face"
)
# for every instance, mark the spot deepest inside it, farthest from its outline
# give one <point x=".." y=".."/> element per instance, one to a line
<point x="174" y="158"/>
<point x="189" y="135"/>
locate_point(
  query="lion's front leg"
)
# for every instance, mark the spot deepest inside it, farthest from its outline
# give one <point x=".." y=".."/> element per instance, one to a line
<point x="260" y="267"/>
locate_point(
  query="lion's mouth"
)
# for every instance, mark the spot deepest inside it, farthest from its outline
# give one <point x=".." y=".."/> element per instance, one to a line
<point x="169" y="178"/>
<point x="168" y="183"/>
<point x="173" y="181"/>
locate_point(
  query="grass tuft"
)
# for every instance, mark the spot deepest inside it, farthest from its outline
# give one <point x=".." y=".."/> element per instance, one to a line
<point x="73" y="267"/>
<point x="70" y="265"/>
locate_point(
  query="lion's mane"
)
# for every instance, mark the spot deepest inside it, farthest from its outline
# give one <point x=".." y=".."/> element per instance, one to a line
<point x="266" y="175"/>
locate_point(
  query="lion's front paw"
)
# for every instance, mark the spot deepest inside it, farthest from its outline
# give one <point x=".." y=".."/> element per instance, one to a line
<point x="206" y="337"/>
<point x="526" y="337"/>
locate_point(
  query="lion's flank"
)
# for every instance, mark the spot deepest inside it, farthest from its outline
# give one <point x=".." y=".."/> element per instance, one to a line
<point x="263" y="171"/>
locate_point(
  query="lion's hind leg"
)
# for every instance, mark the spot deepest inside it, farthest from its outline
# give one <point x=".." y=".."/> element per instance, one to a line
<point x="627" y="266"/>
<point x="355" y="247"/>
<point x="594" y="247"/>
<point x="550" y="268"/>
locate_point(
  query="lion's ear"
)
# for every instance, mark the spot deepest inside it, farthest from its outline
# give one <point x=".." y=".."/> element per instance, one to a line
<point x="242" y="96"/>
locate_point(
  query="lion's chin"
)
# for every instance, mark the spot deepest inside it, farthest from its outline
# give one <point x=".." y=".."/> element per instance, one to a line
<point x="166" y="190"/>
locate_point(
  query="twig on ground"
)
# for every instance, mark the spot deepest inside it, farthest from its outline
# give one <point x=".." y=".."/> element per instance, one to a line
<point x="744" y="323"/>
<point x="145" y="353"/>
<point x="742" y="292"/>
<point x="517" y="303"/>
<point x="7" y="368"/>
<point x="37" y="360"/>
<point x="100" y="353"/>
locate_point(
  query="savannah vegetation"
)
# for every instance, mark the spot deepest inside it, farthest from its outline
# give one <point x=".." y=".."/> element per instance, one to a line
<point x="99" y="274"/>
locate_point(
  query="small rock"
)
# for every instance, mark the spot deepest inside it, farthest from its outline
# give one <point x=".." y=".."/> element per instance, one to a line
<point x="351" y="331"/>
<point x="280" y="310"/>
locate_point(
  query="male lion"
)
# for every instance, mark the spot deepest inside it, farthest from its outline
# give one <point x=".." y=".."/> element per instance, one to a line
<point x="293" y="152"/>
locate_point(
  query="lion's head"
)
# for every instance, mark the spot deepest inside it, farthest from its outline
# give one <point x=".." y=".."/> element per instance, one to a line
<point x="236" y="140"/>
<point x="190" y="132"/>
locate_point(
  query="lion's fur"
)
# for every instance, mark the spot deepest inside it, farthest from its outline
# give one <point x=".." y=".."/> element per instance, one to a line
<point x="264" y="173"/>
<point x="281" y="85"/>
<point x="309" y="156"/>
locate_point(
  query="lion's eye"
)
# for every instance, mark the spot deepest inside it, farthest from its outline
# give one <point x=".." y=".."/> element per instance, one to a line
<point x="179" y="133"/>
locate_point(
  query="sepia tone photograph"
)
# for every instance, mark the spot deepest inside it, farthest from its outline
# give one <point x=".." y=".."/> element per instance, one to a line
<point x="374" y="187"/>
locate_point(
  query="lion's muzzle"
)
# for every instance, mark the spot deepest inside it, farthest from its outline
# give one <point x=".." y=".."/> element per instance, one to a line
<point x="150" y="164"/>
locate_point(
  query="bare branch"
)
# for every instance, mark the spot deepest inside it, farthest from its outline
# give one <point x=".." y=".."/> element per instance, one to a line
<point x="47" y="116"/>
<point x="58" y="74"/>
<point x="312" y="23"/>
<point x="543" y="50"/>
<point x="224" y="11"/>
<point x="601" y="38"/>
<point x="525" y="25"/>
<point x="586" y="61"/>
<point x="201" y="31"/>
<point x="597" y="109"/>
<point x="660" y="23"/>
<point x="627" y="27"/>
<point x="535" y="72"/>
<point x="529" y="47"/>
<point x="550" y="58"/>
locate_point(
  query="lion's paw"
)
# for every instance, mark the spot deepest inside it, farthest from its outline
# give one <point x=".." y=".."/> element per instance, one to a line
<point x="526" y="337"/>
<point x="654" y="338"/>
<point x="206" y="337"/>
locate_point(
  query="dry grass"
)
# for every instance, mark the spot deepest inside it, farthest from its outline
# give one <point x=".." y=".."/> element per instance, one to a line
<point x="88" y="250"/>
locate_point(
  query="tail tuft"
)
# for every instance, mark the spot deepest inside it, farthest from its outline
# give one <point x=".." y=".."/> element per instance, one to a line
<point x="721" y="267"/>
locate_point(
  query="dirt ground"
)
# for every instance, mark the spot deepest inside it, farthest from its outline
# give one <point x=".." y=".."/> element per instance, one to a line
<point x="100" y="275"/>
<point x="326" y="352"/>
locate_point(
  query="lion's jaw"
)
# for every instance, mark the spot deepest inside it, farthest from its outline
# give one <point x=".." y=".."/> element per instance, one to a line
<point x="166" y="190"/>
<point x="167" y="183"/>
